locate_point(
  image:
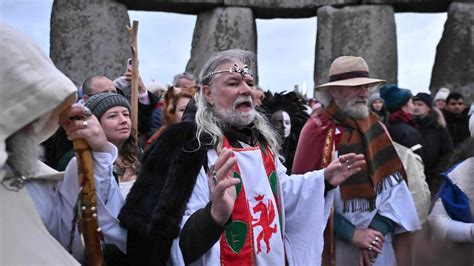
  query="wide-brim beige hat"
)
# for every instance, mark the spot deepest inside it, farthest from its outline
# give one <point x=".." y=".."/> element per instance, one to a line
<point x="349" y="71"/>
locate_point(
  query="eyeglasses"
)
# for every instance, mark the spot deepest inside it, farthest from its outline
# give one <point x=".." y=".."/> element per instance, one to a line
<point x="244" y="70"/>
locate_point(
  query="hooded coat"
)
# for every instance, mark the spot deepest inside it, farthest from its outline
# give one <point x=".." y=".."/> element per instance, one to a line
<point x="33" y="92"/>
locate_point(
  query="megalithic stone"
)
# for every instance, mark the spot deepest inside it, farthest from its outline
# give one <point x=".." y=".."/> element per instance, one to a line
<point x="221" y="29"/>
<point x="454" y="62"/>
<point x="89" y="38"/>
<point x="366" y="31"/>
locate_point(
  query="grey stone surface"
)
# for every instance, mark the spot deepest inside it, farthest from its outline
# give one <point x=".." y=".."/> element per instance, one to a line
<point x="454" y="63"/>
<point x="89" y="38"/>
<point x="414" y="5"/>
<point x="287" y="8"/>
<point x="221" y="29"/>
<point x="283" y="8"/>
<point x="177" y="6"/>
<point x="367" y="31"/>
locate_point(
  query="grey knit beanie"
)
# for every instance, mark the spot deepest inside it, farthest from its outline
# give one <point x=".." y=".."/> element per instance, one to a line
<point x="375" y="96"/>
<point x="100" y="103"/>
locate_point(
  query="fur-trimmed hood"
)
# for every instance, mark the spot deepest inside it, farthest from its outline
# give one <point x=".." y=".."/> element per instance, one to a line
<point x="435" y="118"/>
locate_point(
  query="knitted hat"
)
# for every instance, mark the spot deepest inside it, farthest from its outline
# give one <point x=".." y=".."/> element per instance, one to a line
<point x="394" y="97"/>
<point x="100" y="103"/>
<point x="442" y="94"/>
<point x="424" y="97"/>
<point x="373" y="97"/>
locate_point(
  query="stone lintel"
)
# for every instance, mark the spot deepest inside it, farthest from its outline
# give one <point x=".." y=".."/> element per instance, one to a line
<point x="268" y="9"/>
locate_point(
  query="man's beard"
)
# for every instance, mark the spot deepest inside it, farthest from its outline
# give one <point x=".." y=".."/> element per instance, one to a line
<point x="356" y="108"/>
<point x="24" y="152"/>
<point x="234" y="117"/>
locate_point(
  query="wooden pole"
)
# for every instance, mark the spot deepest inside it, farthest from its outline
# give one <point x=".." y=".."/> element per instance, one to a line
<point x="89" y="220"/>
<point x="133" y="31"/>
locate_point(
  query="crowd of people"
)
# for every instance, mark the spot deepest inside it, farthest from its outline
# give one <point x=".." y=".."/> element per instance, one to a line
<point x="219" y="172"/>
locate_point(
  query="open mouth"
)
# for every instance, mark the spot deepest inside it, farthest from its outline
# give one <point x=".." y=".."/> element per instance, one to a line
<point x="243" y="105"/>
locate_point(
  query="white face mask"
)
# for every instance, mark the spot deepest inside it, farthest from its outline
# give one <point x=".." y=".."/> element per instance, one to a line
<point x="282" y="123"/>
<point x="286" y="124"/>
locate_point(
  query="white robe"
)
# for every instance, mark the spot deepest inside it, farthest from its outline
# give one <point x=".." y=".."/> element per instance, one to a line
<point x="395" y="203"/>
<point x="55" y="202"/>
<point x="304" y="213"/>
<point x="444" y="227"/>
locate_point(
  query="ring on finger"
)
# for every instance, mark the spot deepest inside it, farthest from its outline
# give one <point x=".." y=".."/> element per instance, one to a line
<point x="84" y="124"/>
<point x="87" y="112"/>
<point x="376" y="238"/>
<point x="370" y="248"/>
<point x="373" y="242"/>
<point x="213" y="174"/>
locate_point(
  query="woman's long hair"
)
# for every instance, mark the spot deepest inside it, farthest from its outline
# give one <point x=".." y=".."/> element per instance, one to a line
<point x="130" y="152"/>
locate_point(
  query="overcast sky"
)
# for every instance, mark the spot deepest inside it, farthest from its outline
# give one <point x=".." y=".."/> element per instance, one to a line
<point x="165" y="44"/>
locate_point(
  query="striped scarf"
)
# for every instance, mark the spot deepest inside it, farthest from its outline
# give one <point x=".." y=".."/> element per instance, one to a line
<point x="366" y="136"/>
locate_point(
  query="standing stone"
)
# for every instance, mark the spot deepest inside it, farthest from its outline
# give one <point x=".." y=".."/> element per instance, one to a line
<point x="367" y="31"/>
<point x="454" y="62"/>
<point x="222" y="29"/>
<point x="89" y="38"/>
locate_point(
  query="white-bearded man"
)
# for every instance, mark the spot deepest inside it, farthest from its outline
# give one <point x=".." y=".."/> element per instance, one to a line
<point x="373" y="207"/>
<point x="36" y="205"/>
<point x="215" y="192"/>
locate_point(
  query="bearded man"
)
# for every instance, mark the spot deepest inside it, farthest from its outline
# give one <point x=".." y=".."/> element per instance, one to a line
<point x="35" y="201"/>
<point x="215" y="192"/>
<point x="374" y="205"/>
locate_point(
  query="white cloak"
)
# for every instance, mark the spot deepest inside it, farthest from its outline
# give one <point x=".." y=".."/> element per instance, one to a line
<point x="304" y="212"/>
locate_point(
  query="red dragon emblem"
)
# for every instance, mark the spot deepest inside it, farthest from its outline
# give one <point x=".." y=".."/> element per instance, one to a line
<point x="267" y="215"/>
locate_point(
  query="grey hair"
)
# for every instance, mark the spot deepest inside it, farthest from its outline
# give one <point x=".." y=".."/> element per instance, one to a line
<point x="206" y="120"/>
<point x="323" y="97"/>
<point x="185" y="75"/>
<point x="246" y="57"/>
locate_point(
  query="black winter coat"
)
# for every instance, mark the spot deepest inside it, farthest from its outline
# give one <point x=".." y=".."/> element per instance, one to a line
<point x="435" y="139"/>
<point x="155" y="205"/>
<point x="405" y="135"/>
<point x="458" y="125"/>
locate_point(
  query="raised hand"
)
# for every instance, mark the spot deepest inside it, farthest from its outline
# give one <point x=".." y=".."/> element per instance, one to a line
<point x="79" y="123"/>
<point x="343" y="167"/>
<point x="222" y="185"/>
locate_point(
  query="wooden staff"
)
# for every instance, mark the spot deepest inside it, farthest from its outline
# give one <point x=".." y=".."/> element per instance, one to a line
<point x="133" y="31"/>
<point x="89" y="220"/>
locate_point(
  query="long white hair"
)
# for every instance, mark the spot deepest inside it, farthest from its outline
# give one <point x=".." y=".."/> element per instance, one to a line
<point x="206" y="120"/>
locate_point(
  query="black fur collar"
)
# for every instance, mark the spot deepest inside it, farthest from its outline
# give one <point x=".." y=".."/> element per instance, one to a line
<point x="155" y="205"/>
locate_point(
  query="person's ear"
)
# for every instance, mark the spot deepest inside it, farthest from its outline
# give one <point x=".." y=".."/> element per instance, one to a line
<point x="206" y="90"/>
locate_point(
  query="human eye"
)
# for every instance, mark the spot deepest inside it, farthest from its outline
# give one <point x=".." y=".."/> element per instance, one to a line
<point x="233" y="83"/>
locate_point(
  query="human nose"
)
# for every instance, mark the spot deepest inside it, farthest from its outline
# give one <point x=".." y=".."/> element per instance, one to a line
<point x="122" y="118"/>
<point x="362" y="90"/>
<point x="245" y="89"/>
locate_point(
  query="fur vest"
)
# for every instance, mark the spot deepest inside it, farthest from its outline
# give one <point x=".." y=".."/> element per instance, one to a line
<point x="155" y="205"/>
